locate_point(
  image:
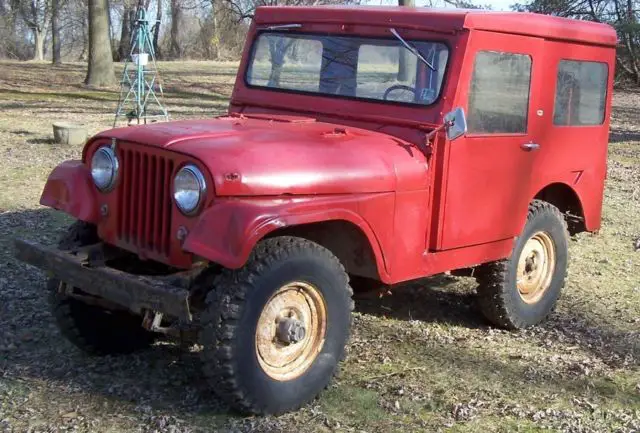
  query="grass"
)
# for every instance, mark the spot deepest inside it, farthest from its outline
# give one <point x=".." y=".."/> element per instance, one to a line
<point x="422" y="359"/>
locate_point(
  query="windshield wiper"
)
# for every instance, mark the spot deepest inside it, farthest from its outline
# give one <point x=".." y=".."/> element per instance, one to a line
<point x="413" y="50"/>
<point x="284" y="26"/>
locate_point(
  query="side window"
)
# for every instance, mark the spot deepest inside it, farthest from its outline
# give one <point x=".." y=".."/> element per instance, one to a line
<point x="581" y="93"/>
<point x="499" y="93"/>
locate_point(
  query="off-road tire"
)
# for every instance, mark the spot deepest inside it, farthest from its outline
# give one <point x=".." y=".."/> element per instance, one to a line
<point x="234" y="305"/>
<point x="93" y="329"/>
<point x="498" y="295"/>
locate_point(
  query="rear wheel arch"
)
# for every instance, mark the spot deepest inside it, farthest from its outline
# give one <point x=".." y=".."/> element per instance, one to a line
<point x="567" y="200"/>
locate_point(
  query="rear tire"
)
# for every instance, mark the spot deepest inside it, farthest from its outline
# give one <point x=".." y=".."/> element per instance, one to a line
<point x="245" y="358"/>
<point x="93" y="329"/>
<point x="522" y="290"/>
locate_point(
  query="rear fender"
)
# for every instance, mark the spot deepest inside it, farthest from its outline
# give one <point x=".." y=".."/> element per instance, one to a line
<point x="227" y="232"/>
<point x="70" y="189"/>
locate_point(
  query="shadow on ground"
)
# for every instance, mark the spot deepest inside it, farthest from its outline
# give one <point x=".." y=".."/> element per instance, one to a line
<point x="439" y="299"/>
<point x="167" y="379"/>
<point x="620" y="135"/>
<point x="163" y="377"/>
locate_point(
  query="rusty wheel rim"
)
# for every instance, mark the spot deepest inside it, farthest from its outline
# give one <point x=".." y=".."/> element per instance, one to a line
<point x="291" y="330"/>
<point x="535" y="267"/>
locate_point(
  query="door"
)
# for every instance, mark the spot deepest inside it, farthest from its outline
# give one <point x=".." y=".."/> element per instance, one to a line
<point x="488" y="185"/>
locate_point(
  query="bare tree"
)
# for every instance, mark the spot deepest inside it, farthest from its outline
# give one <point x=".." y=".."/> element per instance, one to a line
<point x="156" y="29"/>
<point x="36" y="14"/>
<point x="621" y="14"/>
<point x="84" y="55"/>
<point x="55" y="32"/>
<point x="175" y="45"/>
<point x="246" y="8"/>
<point x="11" y="31"/>
<point x="100" y="68"/>
<point x="125" y="31"/>
<point x="626" y="22"/>
<point x="215" y="30"/>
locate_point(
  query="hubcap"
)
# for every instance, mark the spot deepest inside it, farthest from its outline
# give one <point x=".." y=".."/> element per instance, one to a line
<point x="291" y="330"/>
<point x="535" y="267"/>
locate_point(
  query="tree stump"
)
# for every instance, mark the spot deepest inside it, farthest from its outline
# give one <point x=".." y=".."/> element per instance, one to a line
<point x="69" y="133"/>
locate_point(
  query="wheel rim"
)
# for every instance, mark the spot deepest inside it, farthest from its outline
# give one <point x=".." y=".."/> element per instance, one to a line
<point x="291" y="330"/>
<point x="535" y="267"/>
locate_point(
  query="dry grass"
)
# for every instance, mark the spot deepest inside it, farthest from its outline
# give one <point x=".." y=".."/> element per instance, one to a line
<point x="422" y="359"/>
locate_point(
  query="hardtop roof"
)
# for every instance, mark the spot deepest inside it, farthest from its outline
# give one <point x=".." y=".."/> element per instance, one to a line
<point x="444" y="20"/>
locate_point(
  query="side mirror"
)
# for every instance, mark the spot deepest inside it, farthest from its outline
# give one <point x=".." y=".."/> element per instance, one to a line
<point x="456" y="123"/>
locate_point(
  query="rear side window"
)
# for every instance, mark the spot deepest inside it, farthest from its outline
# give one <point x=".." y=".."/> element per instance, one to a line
<point x="499" y="93"/>
<point x="581" y="92"/>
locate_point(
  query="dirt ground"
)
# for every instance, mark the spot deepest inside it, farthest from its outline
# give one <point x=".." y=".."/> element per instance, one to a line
<point x="421" y="359"/>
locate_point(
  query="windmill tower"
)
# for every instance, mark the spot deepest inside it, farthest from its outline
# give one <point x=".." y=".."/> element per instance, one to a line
<point x="140" y="88"/>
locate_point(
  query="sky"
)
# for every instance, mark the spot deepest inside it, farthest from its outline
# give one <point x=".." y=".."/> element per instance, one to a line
<point x="498" y="5"/>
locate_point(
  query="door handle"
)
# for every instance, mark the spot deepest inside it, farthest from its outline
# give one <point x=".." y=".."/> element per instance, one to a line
<point x="530" y="146"/>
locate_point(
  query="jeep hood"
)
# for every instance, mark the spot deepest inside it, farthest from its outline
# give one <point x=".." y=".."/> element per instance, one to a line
<point x="287" y="155"/>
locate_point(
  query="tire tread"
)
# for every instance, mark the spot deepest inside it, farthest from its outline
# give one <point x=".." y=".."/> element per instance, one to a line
<point x="493" y="294"/>
<point x="76" y="320"/>
<point x="225" y="304"/>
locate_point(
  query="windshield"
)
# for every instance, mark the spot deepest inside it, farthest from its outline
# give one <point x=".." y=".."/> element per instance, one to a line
<point x="356" y="67"/>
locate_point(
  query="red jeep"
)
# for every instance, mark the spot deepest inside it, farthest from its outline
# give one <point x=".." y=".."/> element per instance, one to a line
<point x="385" y="144"/>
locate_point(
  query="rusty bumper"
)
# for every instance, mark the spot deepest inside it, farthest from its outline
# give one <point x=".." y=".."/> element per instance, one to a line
<point x="133" y="292"/>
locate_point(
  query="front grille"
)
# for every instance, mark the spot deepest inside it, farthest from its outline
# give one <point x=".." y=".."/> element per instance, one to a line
<point x="144" y="199"/>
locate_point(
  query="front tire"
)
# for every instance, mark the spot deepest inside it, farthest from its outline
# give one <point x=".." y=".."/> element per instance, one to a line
<point x="274" y="331"/>
<point x="92" y="329"/>
<point x="522" y="290"/>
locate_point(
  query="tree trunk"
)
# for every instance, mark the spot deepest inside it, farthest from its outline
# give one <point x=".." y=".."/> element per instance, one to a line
<point x="216" y="31"/>
<point x="156" y="31"/>
<point x="55" y="32"/>
<point x="85" y="39"/>
<point x="100" y="68"/>
<point x="38" y="35"/>
<point x="125" y="35"/>
<point x="404" y="54"/>
<point x="175" y="52"/>
<point x="112" y="42"/>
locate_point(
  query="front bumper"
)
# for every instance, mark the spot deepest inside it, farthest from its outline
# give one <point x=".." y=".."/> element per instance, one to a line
<point x="162" y="294"/>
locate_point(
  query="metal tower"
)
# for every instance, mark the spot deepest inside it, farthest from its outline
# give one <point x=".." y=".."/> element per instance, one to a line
<point x="140" y="87"/>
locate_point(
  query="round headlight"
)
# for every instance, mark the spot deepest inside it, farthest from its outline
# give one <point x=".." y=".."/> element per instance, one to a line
<point x="104" y="168"/>
<point x="189" y="188"/>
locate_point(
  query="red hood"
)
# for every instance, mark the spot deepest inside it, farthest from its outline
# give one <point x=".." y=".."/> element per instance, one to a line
<point x="262" y="156"/>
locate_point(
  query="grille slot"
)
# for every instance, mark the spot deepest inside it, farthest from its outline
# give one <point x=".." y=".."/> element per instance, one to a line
<point x="144" y="199"/>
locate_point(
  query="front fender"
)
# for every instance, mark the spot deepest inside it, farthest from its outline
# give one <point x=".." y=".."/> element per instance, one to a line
<point x="227" y="232"/>
<point x="70" y="189"/>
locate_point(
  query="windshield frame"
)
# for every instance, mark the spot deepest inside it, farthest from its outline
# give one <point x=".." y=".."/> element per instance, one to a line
<point x="259" y="32"/>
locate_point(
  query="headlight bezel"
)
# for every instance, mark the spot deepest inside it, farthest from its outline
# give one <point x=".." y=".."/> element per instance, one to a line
<point x="115" y="168"/>
<point x="200" y="179"/>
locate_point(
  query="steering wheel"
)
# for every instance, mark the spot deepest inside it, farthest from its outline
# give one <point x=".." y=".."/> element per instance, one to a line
<point x="399" y="87"/>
